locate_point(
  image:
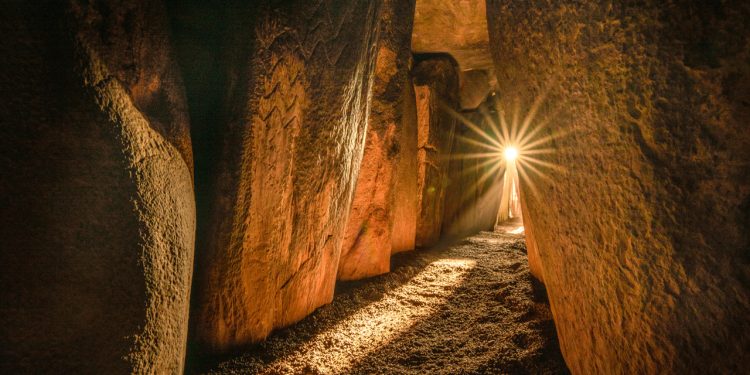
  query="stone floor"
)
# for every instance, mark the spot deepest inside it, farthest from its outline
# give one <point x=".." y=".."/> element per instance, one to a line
<point x="470" y="307"/>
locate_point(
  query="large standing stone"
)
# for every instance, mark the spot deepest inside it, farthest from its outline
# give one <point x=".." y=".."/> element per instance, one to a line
<point x="367" y="243"/>
<point x="405" y="193"/>
<point x="475" y="178"/>
<point x="459" y="213"/>
<point x="643" y="235"/>
<point x="436" y="86"/>
<point x="532" y="251"/>
<point x="297" y="76"/>
<point x="97" y="214"/>
<point x="491" y="175"/>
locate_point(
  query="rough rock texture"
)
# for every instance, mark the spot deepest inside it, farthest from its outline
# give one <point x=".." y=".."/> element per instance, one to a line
<point x="292" y="120"/>
<point x="366" y="250"/>
<point x="436" y="87"/>
<point x="474" y="185"/>
<point x="643" y="236"/>
<point x="470" y="308"/>
<point x="405" y="193"/>
<point x="97" y="213"/>
<point x="455" y="27"/>
<point x="532" y="251"/>
<point x="474" y="87"/>
<point x="458" y="28"/>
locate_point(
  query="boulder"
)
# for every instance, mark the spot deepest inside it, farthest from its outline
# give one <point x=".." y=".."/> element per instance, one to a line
<point x="642" y="229"/>
<point x="97" y="216"/>
<point x="366" y="250"/>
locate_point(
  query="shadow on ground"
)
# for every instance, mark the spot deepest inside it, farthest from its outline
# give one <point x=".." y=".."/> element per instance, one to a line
<point x="470" y="307"/>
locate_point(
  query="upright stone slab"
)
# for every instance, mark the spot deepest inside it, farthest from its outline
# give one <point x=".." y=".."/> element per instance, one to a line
<point x="367" y="242"/>
<point x="405" y="193"/>
<point x="459" y="213"/>
<point x="643" y="235"/>
<point x="474" y="179"/>
<point x="532" y="250"/>
<point x="292" y="120"/>
<point x="490" y="183"/>
<point x="97" y="216"/>
<point x="436" y="87"/>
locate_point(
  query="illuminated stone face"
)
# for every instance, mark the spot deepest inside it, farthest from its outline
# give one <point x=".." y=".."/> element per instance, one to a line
<point x="455" y="27"/>
<point x="458" y="28"/>
<point x="641" y="238"/>
<point x="292" y="147"/>
<point x="366" y="249"/>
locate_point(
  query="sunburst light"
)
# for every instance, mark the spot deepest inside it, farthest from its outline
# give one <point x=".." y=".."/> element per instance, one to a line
<point x="514" y="145"/>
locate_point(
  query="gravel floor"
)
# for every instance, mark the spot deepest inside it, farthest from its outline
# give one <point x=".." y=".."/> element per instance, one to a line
<point x="468" y="308"/>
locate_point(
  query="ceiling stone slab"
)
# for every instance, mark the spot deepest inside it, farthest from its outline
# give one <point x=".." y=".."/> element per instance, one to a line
<point x="455" y="27"/>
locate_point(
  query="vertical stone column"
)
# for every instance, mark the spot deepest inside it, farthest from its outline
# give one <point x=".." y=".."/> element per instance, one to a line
<point x="642" y="234"/>
<point x="459" y="211"/>
<point x="366" y="249"/>
<point x="293" y="121"/>
<point x="405" y="191"/>
<point x="436" y="87"/>
<point x="97" y="217"/>
<point x="532" y="249"/>
<point x="474" y="188"/>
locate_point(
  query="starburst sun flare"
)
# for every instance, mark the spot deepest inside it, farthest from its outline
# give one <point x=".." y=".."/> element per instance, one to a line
<point x="516" y="143"/>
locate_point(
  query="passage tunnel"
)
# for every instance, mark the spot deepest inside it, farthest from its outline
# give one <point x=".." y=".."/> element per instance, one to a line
<point x="374" y="186"/>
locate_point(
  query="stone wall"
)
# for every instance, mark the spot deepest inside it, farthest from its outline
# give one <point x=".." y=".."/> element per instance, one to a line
<point x="532" y="251"/>
<point x="97" y="216"/>
<point x="366" y="250"/>
<point x="279" y="177"/>
<point x="475" y="86"/>
<point x="436" y="87"/>
<point x="405" y="192"/>
<point x="643" y="233"/>
<point x="473" y="190"/>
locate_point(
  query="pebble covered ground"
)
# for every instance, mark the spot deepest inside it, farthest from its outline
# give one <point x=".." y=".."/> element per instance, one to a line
<point x="467" y="308"/>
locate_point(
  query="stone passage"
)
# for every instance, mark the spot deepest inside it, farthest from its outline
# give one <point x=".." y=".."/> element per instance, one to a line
<point x="179" y="179"/>
<point x="468" y="308"/>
